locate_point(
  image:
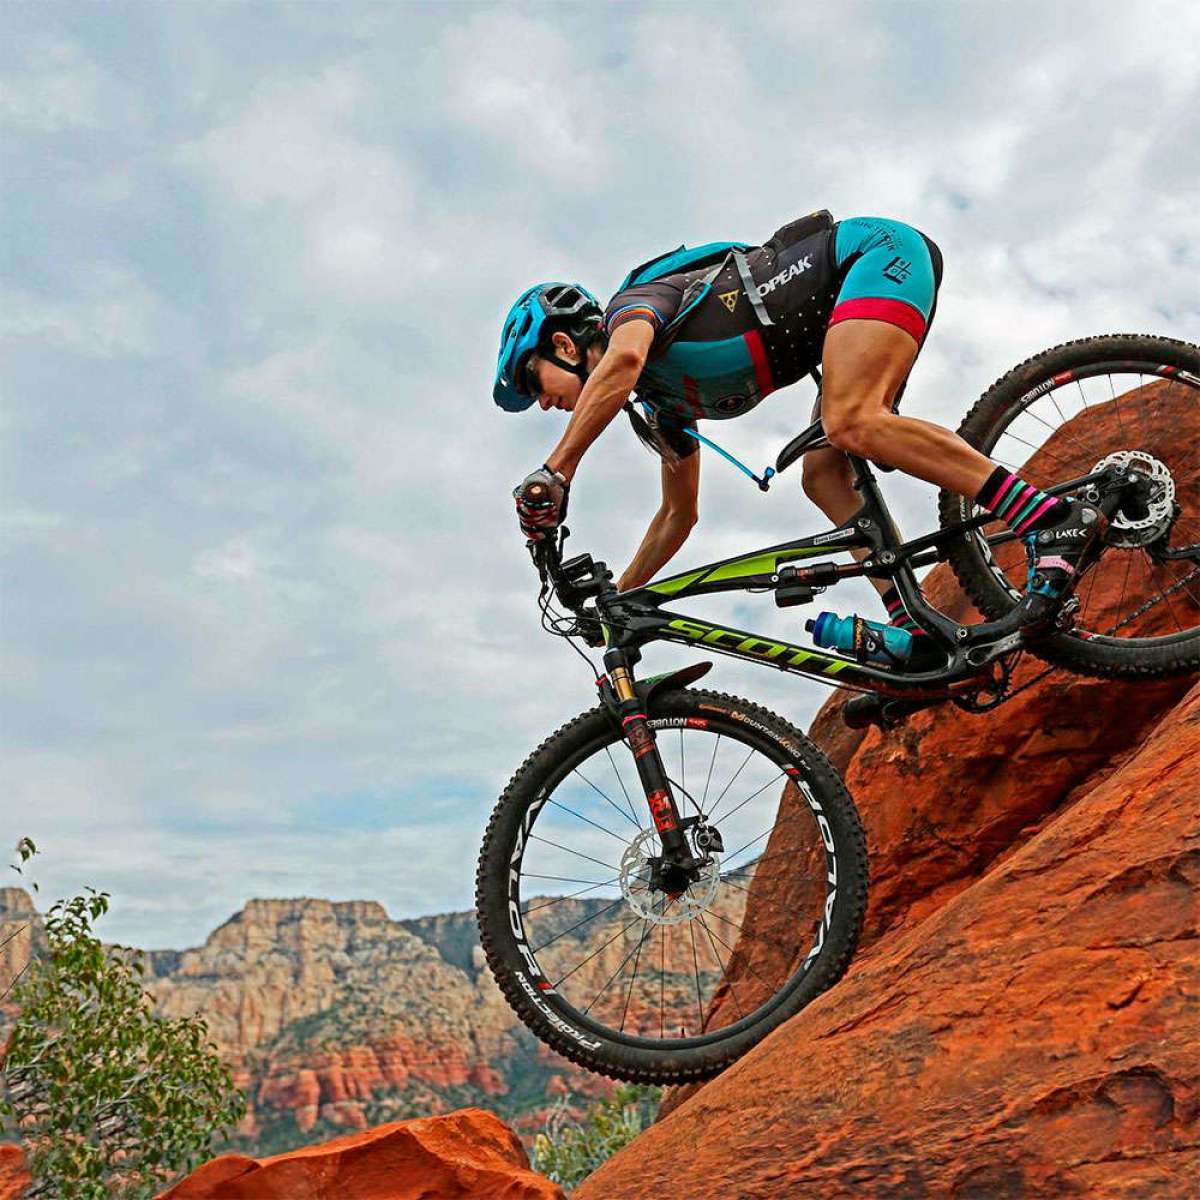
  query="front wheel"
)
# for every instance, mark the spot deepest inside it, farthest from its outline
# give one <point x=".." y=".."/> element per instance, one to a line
<point x="639" y="975"/>
<point x="1122" y="399"/>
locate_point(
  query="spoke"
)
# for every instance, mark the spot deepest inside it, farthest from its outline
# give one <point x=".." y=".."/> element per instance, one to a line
<point x="594" y="824"/>
<point x="751" y="842"/>
<point x="1054" y="400"/>
<point x="728" y="982"/>
<point x="789" y="950"/>
<point x="12" y="983"/>
<point x="751" y="797"/>
<point x="1141" y="408"/>
<point x="1124" y="585"/>
<point x="572" y="896"/>
<point x="717" y="801"/>
<point x="1060" y="429"/>
<point x="16" y="933"/>
<point x="579" y="924"/>
<point x="1091" y="586"/>
<point x="535" y="837"/>
<point x="617" y="773"/>
<point x="1035" y="449"/>
<point x="662" y="979"/>
<point x="704" y="798"/>
<point x="696" y="967"/>
<point x="682" y="765"/>
<point x="1182" y="584"/>
<point x="620" y="933"/>
<point x="1149" y="575"/>
<point x="561" y="878"/>
<point x="637" y="958"/>
<point x="605" y="986"/>
<point x="598" y="792"/>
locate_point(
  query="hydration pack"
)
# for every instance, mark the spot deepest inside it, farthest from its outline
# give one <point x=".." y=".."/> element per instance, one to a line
<point x="676" y="262"/>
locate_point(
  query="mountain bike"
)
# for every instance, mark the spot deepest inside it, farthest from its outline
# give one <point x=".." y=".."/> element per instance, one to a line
<point x="675" y="872"/>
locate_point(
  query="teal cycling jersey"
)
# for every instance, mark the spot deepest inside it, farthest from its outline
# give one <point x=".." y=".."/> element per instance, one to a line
<point x="719" y="357"/>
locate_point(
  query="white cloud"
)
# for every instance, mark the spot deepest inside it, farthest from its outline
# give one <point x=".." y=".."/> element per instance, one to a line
<point x="266" y="580"/>
<point x="58" y="87"/>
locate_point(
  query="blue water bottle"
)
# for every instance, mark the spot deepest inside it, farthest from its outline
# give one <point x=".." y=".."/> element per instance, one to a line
<point x="868" y="641"/>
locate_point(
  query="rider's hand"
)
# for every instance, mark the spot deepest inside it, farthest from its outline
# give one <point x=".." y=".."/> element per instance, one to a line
<point x="541" y="502"/>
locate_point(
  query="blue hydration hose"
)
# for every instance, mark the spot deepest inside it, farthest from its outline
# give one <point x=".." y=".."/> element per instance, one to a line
<point x="763" y="483"/>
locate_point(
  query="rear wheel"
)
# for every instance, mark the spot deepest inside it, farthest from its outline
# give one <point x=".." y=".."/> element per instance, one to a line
<point x="1124" y="398"/>
<point x="641" y="976"/>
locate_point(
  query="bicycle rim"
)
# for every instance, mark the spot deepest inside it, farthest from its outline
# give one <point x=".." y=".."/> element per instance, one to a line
<point x="1065" y="426"/>
<point x="658" y="966"/>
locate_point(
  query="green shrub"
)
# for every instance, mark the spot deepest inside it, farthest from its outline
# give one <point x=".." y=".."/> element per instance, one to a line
<point x="567" y="1152"/>
<point x="110" y="1100"/>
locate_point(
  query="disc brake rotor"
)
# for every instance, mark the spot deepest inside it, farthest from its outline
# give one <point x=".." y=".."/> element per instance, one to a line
<point x="654" y="904"/>
<point x="1126" y="529"/>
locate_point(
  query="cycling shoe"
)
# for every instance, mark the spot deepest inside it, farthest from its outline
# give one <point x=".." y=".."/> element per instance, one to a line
<point x="1058" y="555"/>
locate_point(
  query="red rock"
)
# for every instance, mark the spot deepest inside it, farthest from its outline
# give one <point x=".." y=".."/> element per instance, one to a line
<point x="945" y="797"/>
<point x="14" y="1178"/>
<point x="487" y="1079"/>
<point x="469" y="1153"/>
<point x="1035" y="1036"/>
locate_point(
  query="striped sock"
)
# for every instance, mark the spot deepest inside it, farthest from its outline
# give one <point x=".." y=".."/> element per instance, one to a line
<point x="1021" y="506"/>
<point x="896" y="614"/>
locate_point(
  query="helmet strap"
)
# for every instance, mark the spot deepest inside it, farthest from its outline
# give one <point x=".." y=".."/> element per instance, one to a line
<point x="582" y="343"/>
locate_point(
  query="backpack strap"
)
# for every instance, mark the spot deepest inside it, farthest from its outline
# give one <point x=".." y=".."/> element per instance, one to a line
<point x="751" y="288"/>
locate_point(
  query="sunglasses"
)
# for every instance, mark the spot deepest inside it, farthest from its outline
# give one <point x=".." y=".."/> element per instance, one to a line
<point x="533" y="385"/>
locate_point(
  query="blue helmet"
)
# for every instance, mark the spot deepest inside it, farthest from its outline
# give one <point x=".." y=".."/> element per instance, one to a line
<point x="538" y="312"/>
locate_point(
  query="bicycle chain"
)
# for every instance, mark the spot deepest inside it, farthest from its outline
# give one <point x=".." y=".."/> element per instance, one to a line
<point x="1133" y="616"/>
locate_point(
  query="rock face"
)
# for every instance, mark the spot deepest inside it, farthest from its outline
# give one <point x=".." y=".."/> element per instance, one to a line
<point x="470" y="1153"/>
<point x="950" y="794"/>
<point x="20" y="932"/>
<point x="1039" y="1035"/>
<point x="14" y="1178"/>
<point x="1023" y="1018"/>
<point x="336" y="1017"/>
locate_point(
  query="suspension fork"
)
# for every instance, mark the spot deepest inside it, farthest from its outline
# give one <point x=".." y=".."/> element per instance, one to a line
<point x="642" y="744"/>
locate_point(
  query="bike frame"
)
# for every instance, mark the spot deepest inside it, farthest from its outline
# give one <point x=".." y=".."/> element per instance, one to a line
<point x="633" y="619"/>
<point x="636" y="617"/>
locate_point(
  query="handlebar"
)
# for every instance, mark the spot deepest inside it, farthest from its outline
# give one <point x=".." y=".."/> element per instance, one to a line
<point x="574" y="581"/>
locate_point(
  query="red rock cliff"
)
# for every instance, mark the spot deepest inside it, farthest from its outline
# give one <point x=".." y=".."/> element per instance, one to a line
<point x="1024" y="1015"/>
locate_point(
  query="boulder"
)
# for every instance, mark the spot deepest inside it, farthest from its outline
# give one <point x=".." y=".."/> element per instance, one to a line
<point x="14" y="1178"/>
<point x="469" y="1153"/>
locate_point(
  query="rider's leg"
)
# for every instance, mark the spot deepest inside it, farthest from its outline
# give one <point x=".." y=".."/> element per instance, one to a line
<point x="864" y="362"/>
<point x="829" y="483"/>
<point x="885" y="304"/>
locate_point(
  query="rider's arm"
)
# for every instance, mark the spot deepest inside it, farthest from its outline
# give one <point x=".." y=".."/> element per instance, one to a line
<point x="672" y="523"/>
<point x="606" y="390"/>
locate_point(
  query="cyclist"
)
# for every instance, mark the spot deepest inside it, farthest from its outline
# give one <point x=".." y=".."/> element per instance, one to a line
<point x="856" y="297"/>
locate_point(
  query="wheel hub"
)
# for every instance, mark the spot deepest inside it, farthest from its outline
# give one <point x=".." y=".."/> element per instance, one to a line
<point x="1146" y="519"/>
<point x="677" y="895"/>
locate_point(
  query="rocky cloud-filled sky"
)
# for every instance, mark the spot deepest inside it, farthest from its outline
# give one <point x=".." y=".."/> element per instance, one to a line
<point x="268" y="627"/>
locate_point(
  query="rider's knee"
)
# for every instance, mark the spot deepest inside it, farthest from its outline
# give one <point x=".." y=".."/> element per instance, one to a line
<point x="853" y="432"/>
